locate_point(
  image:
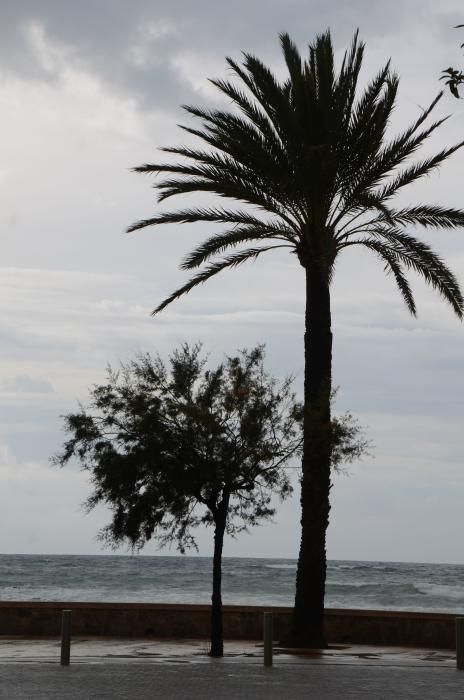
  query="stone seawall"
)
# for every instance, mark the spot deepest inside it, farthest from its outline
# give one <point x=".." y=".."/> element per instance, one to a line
<point x="388" y="628"/>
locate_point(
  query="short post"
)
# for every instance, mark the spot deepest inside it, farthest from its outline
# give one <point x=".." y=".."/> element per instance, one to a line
<point x="66" y="637"/>
<point x="460" y="643"/>
<point x="268" y="638"/>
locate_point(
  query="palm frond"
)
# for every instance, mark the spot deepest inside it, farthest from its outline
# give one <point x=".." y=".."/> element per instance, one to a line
<point x="232" y="132"/>
<point x="430" y="216"/>
<point x="377" y="170"/>
<point x="222" y="241"/>
<point x="421" y="119"/>
<point x="215" y="164"/>
<point x="345" y="87"/>
<point x="239" y="164"/>
<point x="416" y="171"/>
<point x="370" y="200"/>
<point x="426" y="215"/>
<point x="421" y="259"/>
<point x="399" y="149"/>
<point x="213" y="269"/>
<point x="406" y="144"/>
<point x="232" y="188"/>
<point x="322" y="52"/>
<point x="253" y="111"/>
<point x="365" y="106"/>
<point x="214" y="215"/>
<point x="267" y="92"/>
<point x="292" y="57"/>
<point x="393" y="266"/>
<point x="369" y="121"/>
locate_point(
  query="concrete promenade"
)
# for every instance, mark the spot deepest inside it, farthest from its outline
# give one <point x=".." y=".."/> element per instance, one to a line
<point x="138" y="670"/>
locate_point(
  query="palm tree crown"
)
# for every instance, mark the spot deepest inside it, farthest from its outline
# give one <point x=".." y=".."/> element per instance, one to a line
<point x="311" y="160"/>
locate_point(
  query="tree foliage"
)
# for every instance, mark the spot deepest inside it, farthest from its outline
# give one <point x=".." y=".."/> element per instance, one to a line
<point x="163" y="446"/>
<point x="349" y="441"/>
<point x="311" y="162"/>
<point x="453" y="77"/>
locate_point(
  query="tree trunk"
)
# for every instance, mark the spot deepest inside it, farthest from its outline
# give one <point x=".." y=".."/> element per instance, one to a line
<point x="217" y="643"/>
<point x="308" y="615"/>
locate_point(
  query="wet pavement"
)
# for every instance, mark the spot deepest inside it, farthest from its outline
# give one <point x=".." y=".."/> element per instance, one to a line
<point x="101" y="649"/>
<point x="137" y="669"/>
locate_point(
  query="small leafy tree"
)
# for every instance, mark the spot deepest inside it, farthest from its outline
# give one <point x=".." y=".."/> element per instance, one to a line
<point x="171" y="448"/>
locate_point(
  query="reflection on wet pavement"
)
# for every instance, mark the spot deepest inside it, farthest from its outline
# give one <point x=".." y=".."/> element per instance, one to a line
<point x="95" y="650"/>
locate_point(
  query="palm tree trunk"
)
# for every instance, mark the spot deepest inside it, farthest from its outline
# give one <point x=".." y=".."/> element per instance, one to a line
<point x="217" y="642"/>
<point x="308" y="615"/>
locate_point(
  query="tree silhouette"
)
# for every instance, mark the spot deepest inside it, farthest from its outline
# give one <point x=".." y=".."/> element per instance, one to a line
<point x="170" y="449"/>
<point x="309" y="160"/>
<point x="453" y="77"/>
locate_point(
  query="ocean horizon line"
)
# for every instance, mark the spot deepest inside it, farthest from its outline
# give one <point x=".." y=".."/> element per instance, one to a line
<point x="137" y="554"/>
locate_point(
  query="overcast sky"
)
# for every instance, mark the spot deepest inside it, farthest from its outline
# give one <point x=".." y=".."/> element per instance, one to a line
<point x="89" y="90"/>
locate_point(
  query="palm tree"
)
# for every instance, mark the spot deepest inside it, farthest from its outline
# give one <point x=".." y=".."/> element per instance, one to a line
<point x="310" y="161"/>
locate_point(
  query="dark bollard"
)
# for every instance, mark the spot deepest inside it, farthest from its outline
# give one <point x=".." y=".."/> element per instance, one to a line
<point x="66" y="637"/>
<point x="268" y="638"/>
<point x="460" y="643"/>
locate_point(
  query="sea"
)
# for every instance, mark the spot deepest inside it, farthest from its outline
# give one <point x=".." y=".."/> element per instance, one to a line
<point x="187" y="579"/>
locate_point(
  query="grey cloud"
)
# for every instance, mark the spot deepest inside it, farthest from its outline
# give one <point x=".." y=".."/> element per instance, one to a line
<point x="383" y="359"/>
<point x="98" y="37"/>
<point x="105" y="34"/>
<point x="23" y="383"/>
